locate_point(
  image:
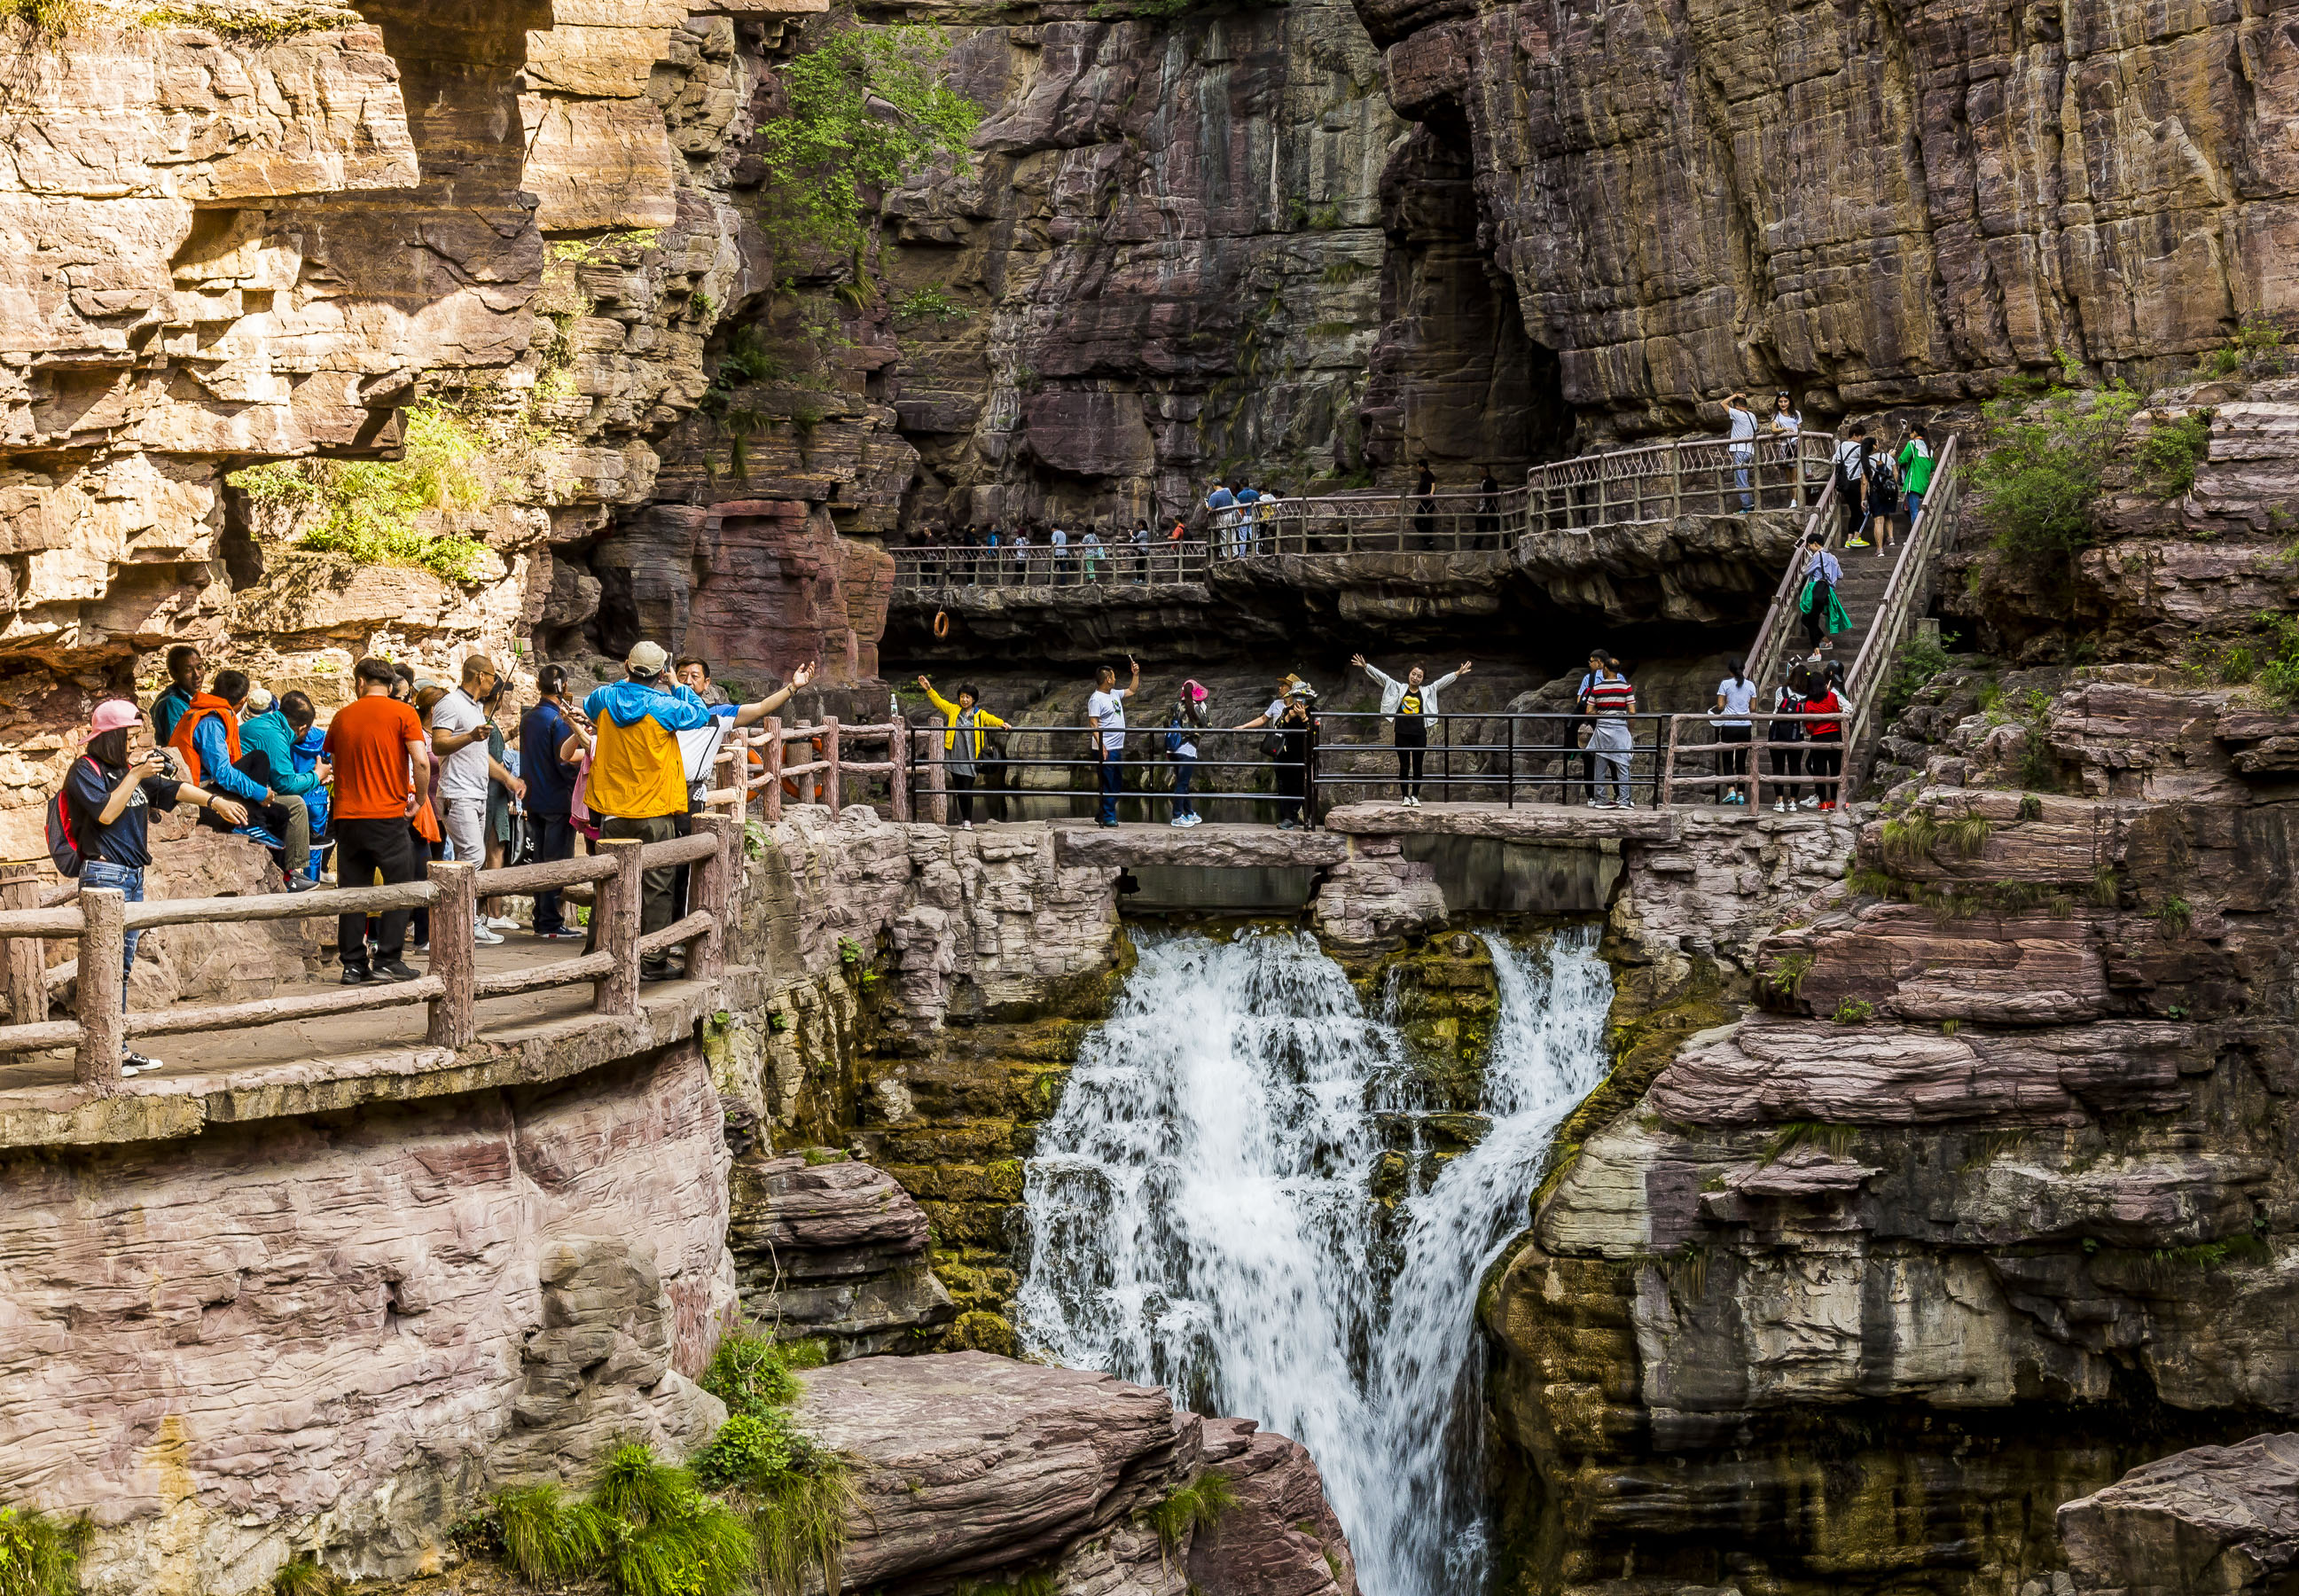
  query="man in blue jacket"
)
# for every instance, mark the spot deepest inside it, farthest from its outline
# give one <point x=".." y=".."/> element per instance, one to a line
<point x="543" y="731"/>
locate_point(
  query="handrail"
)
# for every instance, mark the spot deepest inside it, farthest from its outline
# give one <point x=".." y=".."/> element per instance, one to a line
<point x="1896" y="611"/>
<point x="1669" y="477"/>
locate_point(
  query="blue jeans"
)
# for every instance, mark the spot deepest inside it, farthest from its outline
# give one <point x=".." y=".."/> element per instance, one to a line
<point x="1916" y="504"/>
<point x="1111" y="773"/>
<point x="1183" y="769"/>
<point x="1744" y="456"/>
<point x="129" y="885"/>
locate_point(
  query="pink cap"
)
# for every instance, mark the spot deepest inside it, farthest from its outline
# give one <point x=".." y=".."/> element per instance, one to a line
<point x="110" y="715"/>
<point x="1194" y="689"/>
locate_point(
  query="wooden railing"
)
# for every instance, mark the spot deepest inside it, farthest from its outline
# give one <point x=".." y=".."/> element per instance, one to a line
<point x="1041" y="565"/>
<point x="759" y="762"/>
<point x="1905" y="599"/>
<point x="101" y="917"/>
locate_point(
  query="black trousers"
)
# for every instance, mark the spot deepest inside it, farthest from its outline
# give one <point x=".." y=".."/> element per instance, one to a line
<point x="1815" y="620"/>
<point x="554" y="841"/>
<point x="961" y="794"/>
<point x="1412" y="752"/>
<point x="1788" y="762"/>
<point x="365" y="848"/>
<point x="1824" y="756"/>
<point x="1732" y="762"/>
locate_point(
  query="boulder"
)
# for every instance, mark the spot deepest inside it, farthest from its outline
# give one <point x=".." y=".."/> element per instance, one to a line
<point x="828" y="1246"/>
<point x="2221" y="1519"/>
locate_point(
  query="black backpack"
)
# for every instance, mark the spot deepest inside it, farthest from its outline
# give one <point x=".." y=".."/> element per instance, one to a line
<point x="63" y="839"/>
<point x="1849" y="470"/>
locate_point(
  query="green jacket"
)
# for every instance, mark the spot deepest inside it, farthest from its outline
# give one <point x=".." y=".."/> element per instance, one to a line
<point x="270" y="733"/>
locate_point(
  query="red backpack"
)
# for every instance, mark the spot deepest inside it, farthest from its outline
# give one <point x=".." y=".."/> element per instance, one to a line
<point x="63" y="841"/>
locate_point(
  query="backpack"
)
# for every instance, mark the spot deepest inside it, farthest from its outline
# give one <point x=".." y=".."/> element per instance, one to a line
<point x="63" y="843"/>
<point x="1849" y="470"/>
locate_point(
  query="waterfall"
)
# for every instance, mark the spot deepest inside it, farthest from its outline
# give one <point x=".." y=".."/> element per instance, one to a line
<point x="1201" y="1219"/>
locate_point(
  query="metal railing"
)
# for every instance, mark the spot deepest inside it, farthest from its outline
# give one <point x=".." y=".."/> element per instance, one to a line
<point x="1043" y="566"/>
<point x="1651" y="482"/>
<point x="1145" y="771"/>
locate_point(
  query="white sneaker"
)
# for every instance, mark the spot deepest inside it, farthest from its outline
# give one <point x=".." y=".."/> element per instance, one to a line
<point x="1594" y="805"/>
<point x="483" y="936"/>
<point x="135" y="1064"/>
<point x="1179" y="822"/>
<point x="1197" y="820"/>
<point x="1629" y="803"/>
<point x="1812" y="803"/>
<point x="965" y="825"/>
<point x="1780" y="806"/>
<point x="503" y="922"/>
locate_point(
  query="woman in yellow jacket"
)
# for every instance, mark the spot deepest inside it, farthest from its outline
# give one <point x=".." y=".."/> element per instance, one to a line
<point x="962" y="753"/>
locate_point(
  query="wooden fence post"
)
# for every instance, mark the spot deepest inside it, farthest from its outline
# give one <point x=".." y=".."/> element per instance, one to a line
<point x="1675" y="480"/>
<point x="715" y="878"/>
<point x="1668" y="769"/>
<point x="102" y="987"/>
<point x="937" y="778"/>
<point x="773" y="789"/>
<point x="454" y="1020"/>
<point x="615" y="905"/>
<point x="832" y="794"/>
<point x="25" y="961"/>
<point x="898" y="754"/>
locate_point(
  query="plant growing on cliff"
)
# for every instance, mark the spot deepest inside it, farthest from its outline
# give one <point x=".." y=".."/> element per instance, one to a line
<point x="367" y="508"/>
<point x="929" y="304"/>
<point x="753" y="1373"/>
<point x="2042" y="469"/>
<point x="303" y="1577"/>
<point x="2172" y="450"/>
<point x="40" y="1553"/>
<point x="1834" y="1140"/>
<point x="1921" y="657"/>
<point x="647" y="1529"/>
<point x="1854" y="1012"/>
<point x="43" y="19"/>
<point x="1196" y="1505"/>
<point x="866" y="108"/>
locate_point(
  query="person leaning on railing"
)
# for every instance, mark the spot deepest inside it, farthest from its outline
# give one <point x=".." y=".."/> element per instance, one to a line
<point x="1612" y="700"/>
<point x="637" y="783"/>
<point x="961" y="743"/>
<point x="108" y="796"/>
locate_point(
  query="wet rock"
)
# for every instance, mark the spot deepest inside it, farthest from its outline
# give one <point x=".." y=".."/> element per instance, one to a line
<point x="2221" y="1518"/>
<point x="828" y="1246"/>
<point x="1280" y="1537"/>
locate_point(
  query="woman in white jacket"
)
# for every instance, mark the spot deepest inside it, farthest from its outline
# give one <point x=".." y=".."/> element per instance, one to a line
<point x="1413" y="704"/>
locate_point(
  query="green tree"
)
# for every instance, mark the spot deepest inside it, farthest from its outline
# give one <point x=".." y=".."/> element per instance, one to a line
<point x="2039" y="478"/>
<point x="867" y="108"/>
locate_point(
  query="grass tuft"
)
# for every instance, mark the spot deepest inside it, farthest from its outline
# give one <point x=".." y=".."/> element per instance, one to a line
<point x="1196" y="1505"/>
<point x="1834" y="1140"/>
<point x="40" y="1553"/>
<point x="304" y="1577"/>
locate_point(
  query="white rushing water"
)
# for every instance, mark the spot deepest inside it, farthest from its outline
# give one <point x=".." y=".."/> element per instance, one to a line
<point x="1201" y="1219"/>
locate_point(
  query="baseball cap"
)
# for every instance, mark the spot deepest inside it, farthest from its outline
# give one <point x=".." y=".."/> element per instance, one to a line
<point x="646" y="659"/>
<point x="110" y="716"/>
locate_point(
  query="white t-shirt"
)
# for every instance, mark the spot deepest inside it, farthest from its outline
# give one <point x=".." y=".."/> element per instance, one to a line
<point x="1744" y="424"/>
<point x="1061" y="539"/>
<point x="1109" y="712"/>
<point x="1737" y="696"/>
<point x="1787" y="423"/>
<point x="463" y="774"/>
<point x="1276" y="711"/>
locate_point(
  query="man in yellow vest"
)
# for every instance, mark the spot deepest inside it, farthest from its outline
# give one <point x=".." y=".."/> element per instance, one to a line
<point x="638" y="777"/>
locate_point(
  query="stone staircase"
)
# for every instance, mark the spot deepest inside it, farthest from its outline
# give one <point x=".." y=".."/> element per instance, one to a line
<point x="1862" y="594"/>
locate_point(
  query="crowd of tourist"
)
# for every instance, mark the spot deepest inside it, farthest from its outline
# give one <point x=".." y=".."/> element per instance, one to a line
<point x="412" y="770"/>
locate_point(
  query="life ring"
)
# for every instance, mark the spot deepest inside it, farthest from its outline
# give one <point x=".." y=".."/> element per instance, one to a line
<point x="941" y="623"/>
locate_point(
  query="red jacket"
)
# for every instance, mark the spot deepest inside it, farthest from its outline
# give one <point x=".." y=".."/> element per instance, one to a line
<point x="1826" y="703"/>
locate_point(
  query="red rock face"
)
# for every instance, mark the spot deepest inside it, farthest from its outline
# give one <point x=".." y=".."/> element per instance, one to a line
<point x="781" y="589"/>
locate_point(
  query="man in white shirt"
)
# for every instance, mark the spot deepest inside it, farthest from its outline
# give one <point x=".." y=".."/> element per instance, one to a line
<point x="1743" y="443"/>
<point x="1060" y="541"/>
<point x="458" y="737"/>
<point x="1106" y="710"/>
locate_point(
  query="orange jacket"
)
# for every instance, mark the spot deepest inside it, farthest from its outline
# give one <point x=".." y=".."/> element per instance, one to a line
<point x="202" y="705"/>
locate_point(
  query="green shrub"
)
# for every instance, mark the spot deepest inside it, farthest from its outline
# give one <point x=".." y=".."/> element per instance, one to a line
<point x="929" y="304"/>
<point x="1922" y="657"/>
<point x="800" y="1519"/>
<point x="1854" y="1012"/>
<point x="2172" y="450"/>
<point x="2042" y="468"/>
<point x="245" y="25"/>
<point x="647" y="1530"/>
<point x="304" y="1577"/>
<point x="750" y="1446"/>
<point x="751" y="1372"/>
<point x="1196" y="1505"/>
<point x="40" y="1553"/>
<point x="45" y="18"/>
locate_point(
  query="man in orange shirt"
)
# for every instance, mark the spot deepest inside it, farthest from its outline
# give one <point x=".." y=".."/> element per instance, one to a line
<point x="383" y="763"/>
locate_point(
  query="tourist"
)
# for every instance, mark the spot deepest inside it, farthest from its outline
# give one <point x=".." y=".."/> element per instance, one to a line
<point x="1105" y="709"/>
<point x="1785" y="740"/>
<point x="267" y="743"/>
<point x="544" y="732"/>
<point x="1059" y="541"/>
<point x="108" y="795"/>
<point x="1741" y="444"/>
<point x="1883" y="498"/>
<point x="963" y="724"/>
<point x="1787" y="424"/>
<point x="1191" y="711"/>
<point x="1425" y="506"/>
<point x="1248" y="514"/>
<point x="1020" y="543"/>
<point x="1823" y="614"/>
<point x="505" y="812"/>
<point x="1141" y="540"/>
<point x="636" y="784"/>
<point x="1221" y="519"/>
<point x="460" y="733"/>
<point x="185" y="668"/>
<point x="1734" y="694"/>
<point x="207" y="736"/>
<point x="1488" y="507"/>
<point x="1915" y="464"/>
<point x="307" y="752"/>
<point x="1610" y="701"/>
<point x="1824" y="757"/>
<point x="1411" y="705"/>
<point x="383" y="765"/>
<point x="1091" y="544"/>
<point x="694" y="675"/>
<point x="1287" y="747"/>
<point x="1850" y="468"/>
<point x="425" y="835"/>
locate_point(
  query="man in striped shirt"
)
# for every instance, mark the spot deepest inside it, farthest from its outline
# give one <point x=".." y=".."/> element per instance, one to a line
<point x="1612" y="700"/>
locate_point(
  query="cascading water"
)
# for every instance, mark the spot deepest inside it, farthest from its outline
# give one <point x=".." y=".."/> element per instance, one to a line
<point x="1201" y="1219"/>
